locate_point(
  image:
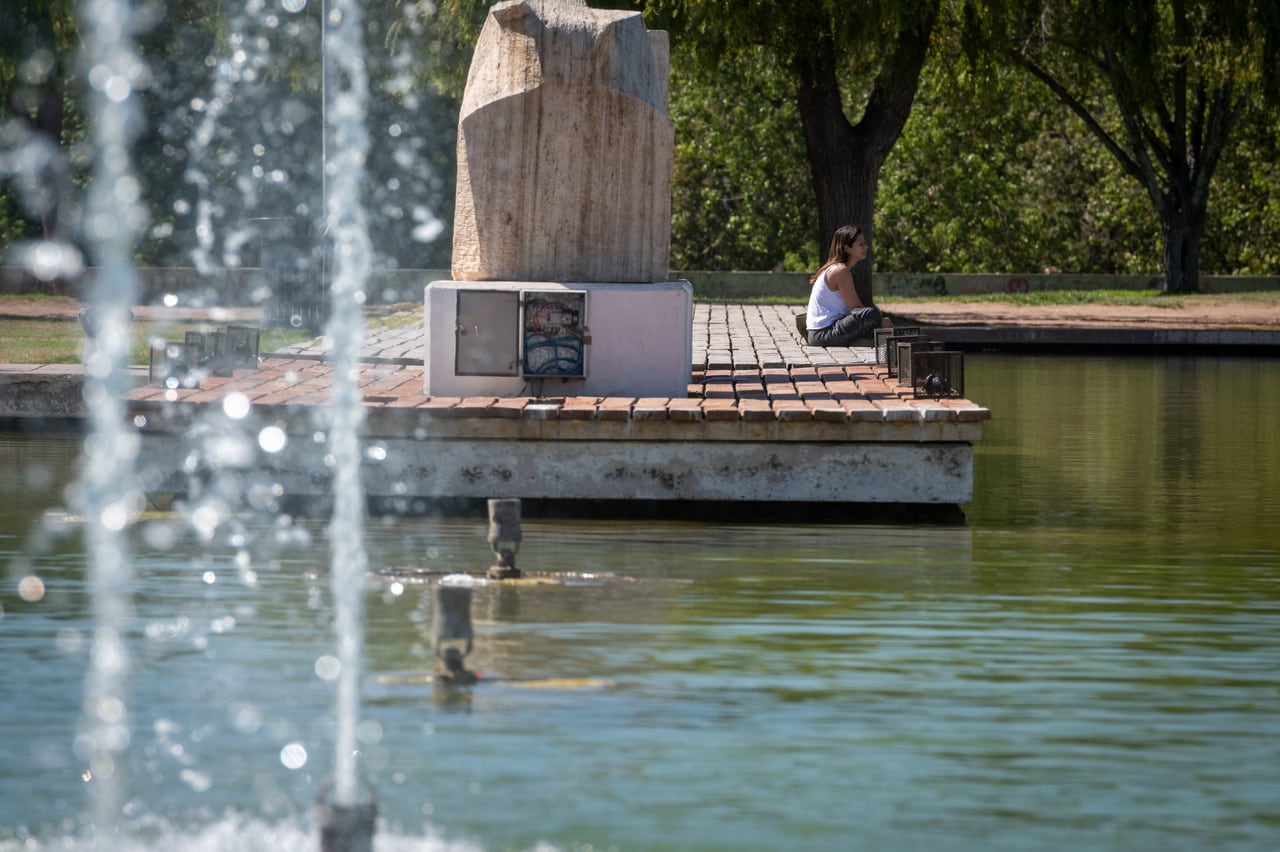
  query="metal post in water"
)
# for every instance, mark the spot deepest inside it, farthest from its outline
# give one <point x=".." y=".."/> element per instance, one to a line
<point x="451" y="633"/>
<point x="505" y="536"/>
<point x="345" y="828"/>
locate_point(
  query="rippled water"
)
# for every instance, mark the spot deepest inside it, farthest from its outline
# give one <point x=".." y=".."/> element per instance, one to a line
<point x="1090" y="663"/>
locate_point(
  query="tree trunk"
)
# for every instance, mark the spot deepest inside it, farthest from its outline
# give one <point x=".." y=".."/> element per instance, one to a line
<point x="1181" y="234"/>
<point x="844" y="184"/>
<point x="845" y="159"/>
<point x="49" y="121"/>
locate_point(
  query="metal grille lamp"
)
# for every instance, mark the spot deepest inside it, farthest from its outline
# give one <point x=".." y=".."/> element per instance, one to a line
<point x="906" y="350"/>
<point x="937" y="374"/>
<point x="218" y="353"/>
<point x="882" y="336"/>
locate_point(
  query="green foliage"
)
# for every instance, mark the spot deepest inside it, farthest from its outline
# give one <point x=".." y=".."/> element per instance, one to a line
<point x="1242" y="235"/>
<point x="741" y="197"/>
<point x="989" y="176"/>
<point x="991" y="173"/>
<point x="232" y="132"/>
<point x="1161" y="85"/>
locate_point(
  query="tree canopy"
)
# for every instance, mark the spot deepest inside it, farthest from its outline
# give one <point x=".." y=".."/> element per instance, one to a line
<point x="853" y="73"/>
<point x="790" y="116"/>
<point x="1161" y="84"/>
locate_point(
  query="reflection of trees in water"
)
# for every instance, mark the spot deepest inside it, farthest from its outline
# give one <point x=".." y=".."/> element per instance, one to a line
<point x="1179" y="436"/>
<point x="1130" y="443"/>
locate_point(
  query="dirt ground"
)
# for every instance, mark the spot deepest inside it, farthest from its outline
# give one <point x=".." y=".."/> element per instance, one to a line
<point x="1219" y="311"/>
<point x="1206" y="312"/>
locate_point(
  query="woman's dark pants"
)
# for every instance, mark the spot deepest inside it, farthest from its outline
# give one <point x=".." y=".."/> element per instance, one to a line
<point x="848" y="329"/>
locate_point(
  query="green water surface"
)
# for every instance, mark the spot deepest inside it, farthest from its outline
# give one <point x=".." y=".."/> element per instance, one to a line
<point x="1091" y="662"/>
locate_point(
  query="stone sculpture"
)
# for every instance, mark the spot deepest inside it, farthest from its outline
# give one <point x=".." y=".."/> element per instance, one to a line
<point x="564" y="148"/>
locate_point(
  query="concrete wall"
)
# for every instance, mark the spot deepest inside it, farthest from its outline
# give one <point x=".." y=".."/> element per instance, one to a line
<point x="234" y="287"/>
<point x="737" y="285"/>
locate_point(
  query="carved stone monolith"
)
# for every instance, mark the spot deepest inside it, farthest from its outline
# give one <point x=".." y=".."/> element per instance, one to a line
<point x="564" y="148"/>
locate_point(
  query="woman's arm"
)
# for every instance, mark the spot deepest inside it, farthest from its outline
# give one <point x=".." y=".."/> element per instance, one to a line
<point x="839" y="278"/>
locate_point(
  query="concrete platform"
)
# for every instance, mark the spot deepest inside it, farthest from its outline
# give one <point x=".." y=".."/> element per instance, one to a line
<point x="766" y="420"/>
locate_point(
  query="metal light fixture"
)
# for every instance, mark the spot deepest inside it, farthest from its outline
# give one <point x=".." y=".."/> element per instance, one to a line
<point x="241" y="348"/>
<point x="891" y="349"/>
<point x="169" y="364"/>
<point x="906" y="350"/>
<point x="937" y="374"/>
<point x="218" y="353"/>
<point x="882" y="336"/>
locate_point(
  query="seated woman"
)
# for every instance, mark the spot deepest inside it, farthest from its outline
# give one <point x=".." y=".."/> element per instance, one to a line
<point x="836" y="316"/>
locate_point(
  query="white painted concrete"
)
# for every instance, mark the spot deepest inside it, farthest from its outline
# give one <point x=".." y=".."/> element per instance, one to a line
<point x="641" y="341"/>
<point x="884" y="473"/>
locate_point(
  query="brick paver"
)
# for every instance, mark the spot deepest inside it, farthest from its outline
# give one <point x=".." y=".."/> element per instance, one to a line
<point x="750" y="364"/>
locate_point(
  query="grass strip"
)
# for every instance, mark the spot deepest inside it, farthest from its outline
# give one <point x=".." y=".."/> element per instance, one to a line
<point x="56" y="341"/>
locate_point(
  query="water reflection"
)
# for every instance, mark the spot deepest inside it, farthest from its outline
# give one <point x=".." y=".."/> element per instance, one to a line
<point x="1175" y="446"/>
<point x="1089" y="663"/>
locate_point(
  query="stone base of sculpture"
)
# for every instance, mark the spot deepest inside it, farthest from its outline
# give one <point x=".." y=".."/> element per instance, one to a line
<point x="555" y="339"/>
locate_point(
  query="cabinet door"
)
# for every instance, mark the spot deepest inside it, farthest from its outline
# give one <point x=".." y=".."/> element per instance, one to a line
<point x="488" y="333"/>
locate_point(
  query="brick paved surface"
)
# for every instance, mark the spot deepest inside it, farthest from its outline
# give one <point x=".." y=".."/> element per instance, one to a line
<point x="750" y="365"/>
<point x="725" y="337"/>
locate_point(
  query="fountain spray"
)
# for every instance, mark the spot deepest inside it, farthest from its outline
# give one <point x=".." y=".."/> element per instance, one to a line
<point x="345" y="96"/>
<point x="107" y="491"/>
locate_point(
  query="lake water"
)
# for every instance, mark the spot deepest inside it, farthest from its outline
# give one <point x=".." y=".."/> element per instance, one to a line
<point x="1092" y="662"/>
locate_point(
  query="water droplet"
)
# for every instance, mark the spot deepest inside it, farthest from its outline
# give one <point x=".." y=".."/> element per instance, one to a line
<point x="118" y="89"/>
<point x="246" y="718"/>
<point x="197" y="781"/>
<point x="293" y="5"/>
<point x="205" y="520"/>
<point x="31" y="589"/>
<point x="48" y="260"/>
<point x="293" y="756"/>
<point x="110" y="710"/>
<point x="114" y="517"/>
<point x="272" y="439"/>
<point x="127" y="190"/>
<point x="159" y="535"/>
<point x="328" y="667"/>
<point x="236" y="406"/>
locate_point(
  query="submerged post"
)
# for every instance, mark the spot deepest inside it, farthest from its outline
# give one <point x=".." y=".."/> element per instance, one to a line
<point x="451" y="634"/>
<point x="505" y="536"/>
<point x="345" y="828"/>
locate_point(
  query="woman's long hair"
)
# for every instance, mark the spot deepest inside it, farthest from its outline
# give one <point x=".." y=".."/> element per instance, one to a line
<point x="841" y="241"/>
